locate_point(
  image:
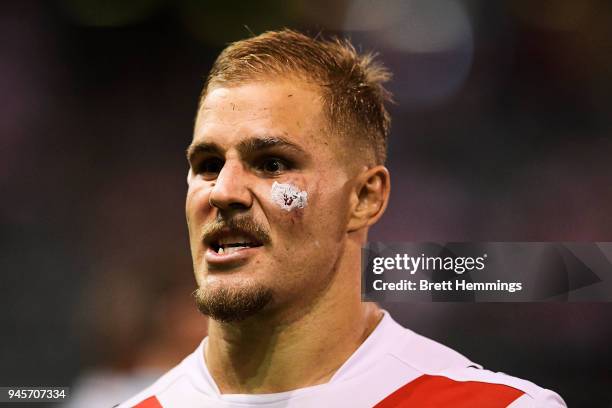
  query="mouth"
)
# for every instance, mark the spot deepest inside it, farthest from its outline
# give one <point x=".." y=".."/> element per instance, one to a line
<point x="228" y="246"/>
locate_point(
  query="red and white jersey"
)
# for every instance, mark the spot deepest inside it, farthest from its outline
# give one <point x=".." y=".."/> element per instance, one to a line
<point x="394" y="367"/>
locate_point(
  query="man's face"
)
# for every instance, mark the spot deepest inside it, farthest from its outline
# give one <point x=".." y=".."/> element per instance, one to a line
<point x="268" y="199"/>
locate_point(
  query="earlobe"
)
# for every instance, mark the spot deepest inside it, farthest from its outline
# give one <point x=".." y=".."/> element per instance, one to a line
<point x="370" y="198"/>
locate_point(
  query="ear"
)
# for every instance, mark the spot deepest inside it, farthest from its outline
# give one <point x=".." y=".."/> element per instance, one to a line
<point x="370" y="197"/>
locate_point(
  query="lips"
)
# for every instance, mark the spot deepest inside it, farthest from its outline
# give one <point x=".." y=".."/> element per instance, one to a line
<point x="231" y="243"/>
<point x="230" y="246"/>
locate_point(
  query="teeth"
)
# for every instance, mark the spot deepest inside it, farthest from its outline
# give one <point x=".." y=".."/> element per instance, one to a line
<point x="231" y="249"/>
<point x="233" y="239"/>
<point x="233" y="243"/>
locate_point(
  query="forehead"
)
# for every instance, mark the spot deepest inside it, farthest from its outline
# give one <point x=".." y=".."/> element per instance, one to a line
<point x="273" y="108"/>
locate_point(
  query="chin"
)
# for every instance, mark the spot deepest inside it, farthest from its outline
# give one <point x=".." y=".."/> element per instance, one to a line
<point x="226" y="302"/>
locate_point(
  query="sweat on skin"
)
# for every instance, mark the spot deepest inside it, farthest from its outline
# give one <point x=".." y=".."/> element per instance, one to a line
<point x="316" y="247"/>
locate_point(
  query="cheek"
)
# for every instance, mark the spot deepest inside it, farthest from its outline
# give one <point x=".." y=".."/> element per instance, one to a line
<point x="302" y="210"/>
<point x="288" y="201"/>
<point x="325" y="218"/>
<point x="288" y="196"/>
<point x="196" y="203"/>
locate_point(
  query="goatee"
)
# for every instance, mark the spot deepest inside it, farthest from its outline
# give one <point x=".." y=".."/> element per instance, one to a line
<point x="231" y="304"/>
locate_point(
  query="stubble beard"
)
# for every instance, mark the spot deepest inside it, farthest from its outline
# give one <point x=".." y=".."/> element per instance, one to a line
<point x="229" y="302"/>
<point x="232" y="304"/>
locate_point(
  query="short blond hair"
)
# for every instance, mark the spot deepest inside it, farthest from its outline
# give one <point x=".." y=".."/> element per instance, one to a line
<point x="352" y="84"/>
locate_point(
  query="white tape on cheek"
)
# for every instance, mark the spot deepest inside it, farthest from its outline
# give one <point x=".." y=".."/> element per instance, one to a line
<point x="288" y="197"/>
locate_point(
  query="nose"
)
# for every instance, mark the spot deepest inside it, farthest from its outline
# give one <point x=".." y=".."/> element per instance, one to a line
<point x="230" y="191"/>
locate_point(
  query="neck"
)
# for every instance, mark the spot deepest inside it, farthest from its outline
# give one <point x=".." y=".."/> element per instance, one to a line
<point x="269" y="354"/>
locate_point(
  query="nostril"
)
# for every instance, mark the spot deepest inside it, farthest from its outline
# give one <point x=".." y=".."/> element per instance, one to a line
<point x="237" y="206"/>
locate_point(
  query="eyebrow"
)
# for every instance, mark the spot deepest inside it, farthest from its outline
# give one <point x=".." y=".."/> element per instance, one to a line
<point x="201" y="148"/>
<point x="246" y="147"/>
<point x="255" y="144"/>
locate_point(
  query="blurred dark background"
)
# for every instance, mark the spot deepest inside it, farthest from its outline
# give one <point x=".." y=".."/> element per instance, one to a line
<point x="501" y="132"/>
